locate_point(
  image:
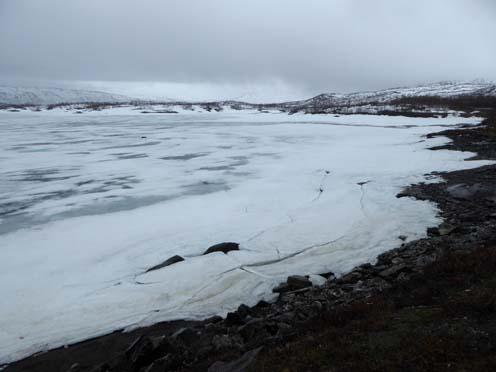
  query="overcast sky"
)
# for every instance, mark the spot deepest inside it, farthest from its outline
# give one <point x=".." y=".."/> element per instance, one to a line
<point x="312" y="45"/>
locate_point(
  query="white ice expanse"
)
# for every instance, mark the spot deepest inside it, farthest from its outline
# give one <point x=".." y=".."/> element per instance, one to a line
<point x="88" y="202"/>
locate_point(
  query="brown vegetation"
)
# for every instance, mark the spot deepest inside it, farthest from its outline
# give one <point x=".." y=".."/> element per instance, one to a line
<point x="442" y="320"/>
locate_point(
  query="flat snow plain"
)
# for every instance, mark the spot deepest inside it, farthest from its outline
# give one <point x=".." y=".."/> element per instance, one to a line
<point x="88" y="202"/>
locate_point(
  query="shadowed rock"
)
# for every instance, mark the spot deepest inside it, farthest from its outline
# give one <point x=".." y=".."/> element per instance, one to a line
<point x="222" y="247"/>
<point x="281" y="288"/>
<point x="328" y="275"/>
<point x="298" y="282"/>
<point x="293" y="283"/>
<point x="168" y="262"/>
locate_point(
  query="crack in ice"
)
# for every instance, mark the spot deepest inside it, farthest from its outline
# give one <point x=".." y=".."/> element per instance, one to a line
<point x="362" y="196"/>
<point x="321" y="186"/>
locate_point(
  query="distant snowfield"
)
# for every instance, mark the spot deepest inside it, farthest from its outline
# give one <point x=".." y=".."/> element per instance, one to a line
<point x="88" y="202"/>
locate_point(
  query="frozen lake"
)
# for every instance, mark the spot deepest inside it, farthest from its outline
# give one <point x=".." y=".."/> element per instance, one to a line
<point x="89" y="202"/>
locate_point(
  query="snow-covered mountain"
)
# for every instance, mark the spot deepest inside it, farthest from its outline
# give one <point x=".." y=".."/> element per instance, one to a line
<point x="47" y="96"/>
<point x="387" y="96"/>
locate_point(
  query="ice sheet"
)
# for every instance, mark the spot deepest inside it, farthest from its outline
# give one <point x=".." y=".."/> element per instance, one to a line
<point x="90" y="201"/>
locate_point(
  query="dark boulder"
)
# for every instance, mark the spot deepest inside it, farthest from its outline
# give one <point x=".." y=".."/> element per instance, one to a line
<point x="293" y="283"/>
<point x="298" y="282"/>
<point x="281" y="288"/>
<point x="243" y="311"/>
<point x="168" y="262"/>
<point x="433" y="231"/>
<point x="222" y="247"/>
<point x="234" y="318"/>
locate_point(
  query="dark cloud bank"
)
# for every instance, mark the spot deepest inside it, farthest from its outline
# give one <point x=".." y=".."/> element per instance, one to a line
<point x="321" y="45"/>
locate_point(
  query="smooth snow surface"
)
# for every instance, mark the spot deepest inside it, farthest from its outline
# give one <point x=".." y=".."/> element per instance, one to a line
<point x="89" y="202"/>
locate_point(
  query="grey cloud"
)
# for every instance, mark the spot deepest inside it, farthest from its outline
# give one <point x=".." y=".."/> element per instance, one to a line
<point x="321" y="44"/>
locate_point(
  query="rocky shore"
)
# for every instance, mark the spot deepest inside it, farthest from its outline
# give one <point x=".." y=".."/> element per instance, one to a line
<point x="427" y="305"/>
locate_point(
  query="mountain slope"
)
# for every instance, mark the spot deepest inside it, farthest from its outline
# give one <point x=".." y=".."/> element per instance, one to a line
<point x="46" y="96"/>
<point x="445" y="89"/>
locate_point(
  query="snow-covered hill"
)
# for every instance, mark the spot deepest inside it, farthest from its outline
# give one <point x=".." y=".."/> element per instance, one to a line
<point x="444" y="89"/>
<point x="47" y="96"/>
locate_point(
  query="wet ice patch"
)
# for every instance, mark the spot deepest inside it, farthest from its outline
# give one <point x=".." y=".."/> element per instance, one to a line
<point x="184" y="156"/>
<point x="132" y="156"/>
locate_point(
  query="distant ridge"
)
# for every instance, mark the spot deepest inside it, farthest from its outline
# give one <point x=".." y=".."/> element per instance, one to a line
<point x="47" y="96"/>
<point x="442" y="89"/>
